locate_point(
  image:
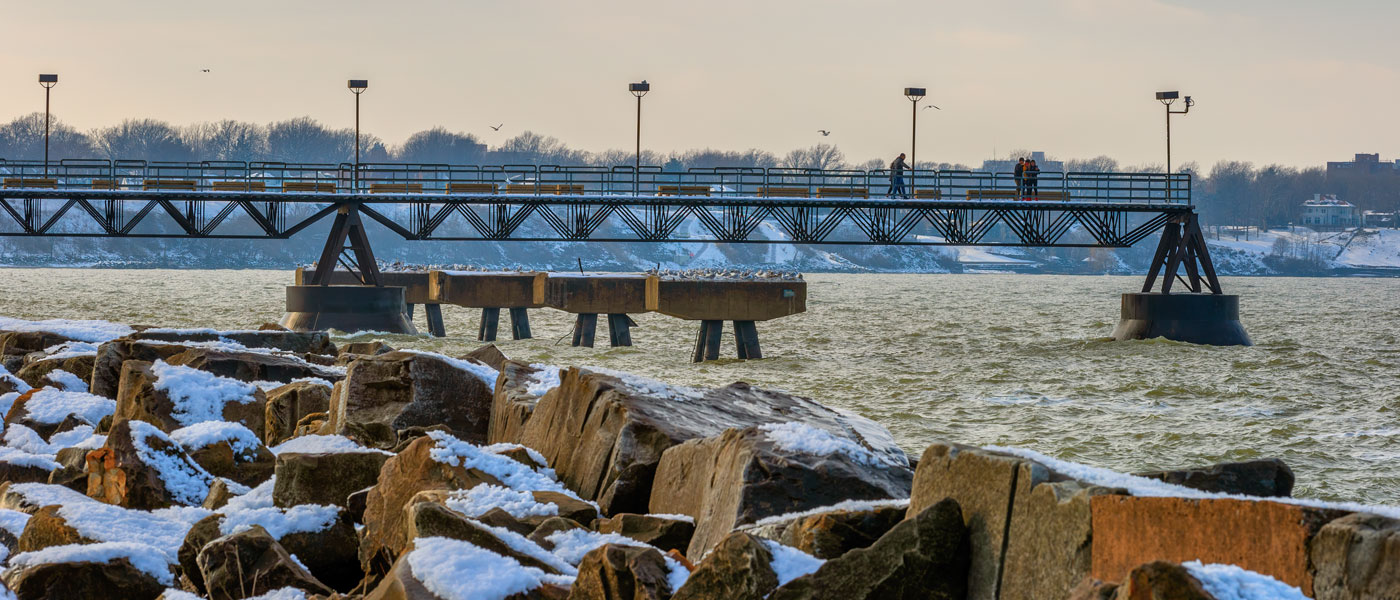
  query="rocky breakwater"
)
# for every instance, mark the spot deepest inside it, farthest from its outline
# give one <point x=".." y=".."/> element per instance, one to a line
<point x="385" y="475"/>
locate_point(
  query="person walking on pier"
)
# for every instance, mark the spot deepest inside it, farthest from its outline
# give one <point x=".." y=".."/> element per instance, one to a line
<point x="897" y="168"/>
<point x="1021" y="178"/>
<point x="1032" y="176"/>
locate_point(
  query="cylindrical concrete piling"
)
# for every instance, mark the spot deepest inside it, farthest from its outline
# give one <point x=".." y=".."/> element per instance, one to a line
<point x="347" y="308"/>
<point x="1210" y="319"/>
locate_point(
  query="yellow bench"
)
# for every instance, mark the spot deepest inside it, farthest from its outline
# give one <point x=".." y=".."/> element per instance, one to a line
<point x="238" y="186"/>
<point x="928" y="194"/>
<point x="464" y="187"/>
<point x="783" y="192"/>
<point x="991" y="194"/>
<point x="841" y="192"/>
<point x="24" y="182"/>
<point x="1054" y="195"/>
<point x="395" y="188"/>
<point x="557" y="189"/>
<point x="682" y="190"/>
<point x="186" y="185"/>
<point x="104" y="184"/>
<point x="308" y="186"/>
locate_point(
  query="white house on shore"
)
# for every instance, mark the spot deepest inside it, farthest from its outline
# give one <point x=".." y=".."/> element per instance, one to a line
<point x="1326" y="210"/>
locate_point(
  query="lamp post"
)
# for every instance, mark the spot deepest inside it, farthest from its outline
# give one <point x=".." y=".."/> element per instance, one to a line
<point x="357" y="87"/>
<point x="914" y="95"/>
<point x="48" y="80"/>
<point x="1167" y="98"/>
<point x="638" y="90"/>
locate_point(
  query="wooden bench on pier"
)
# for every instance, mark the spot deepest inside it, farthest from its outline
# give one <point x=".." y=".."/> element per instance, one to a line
<point x="308" y="186"/>
<point x="928" y="194"/>
<point x="182" y="185"/>
<point x="557" y="189"/>
<point x="1051" y="196"/>
<point x="104" y="184"/>
<point x="991" y="194"/>
<point x="682" y="190"/>
<point x="12" y="183"/>
<point x="843" y="192"/>
<point x="783" y="192"/>
<point x="238" y="186"/>
<point x="395" y="188"/>
<point x="470" y="187"/>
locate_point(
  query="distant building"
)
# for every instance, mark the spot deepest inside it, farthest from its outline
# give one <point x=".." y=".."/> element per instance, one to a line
<point x="1008" y="166"/>
<point x="1378" y="219"/>
<point x="1368" y="164"/>
<point x="1327" y="211"/>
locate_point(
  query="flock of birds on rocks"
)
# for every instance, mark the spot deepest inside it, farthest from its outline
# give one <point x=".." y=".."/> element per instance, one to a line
<point x="712" y="273"/>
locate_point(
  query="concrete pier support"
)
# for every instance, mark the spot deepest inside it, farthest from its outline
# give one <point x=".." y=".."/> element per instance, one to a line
<point x="1210" y="319"/>
<point x="490" y="322"/>
<point x="520" y="323"/>
<point x="711" y="334"/>
<point x="348" y="308"/>
<point x="620" y="329"/>
<point x="585" y="326"/>
<point x="436" y="327"/>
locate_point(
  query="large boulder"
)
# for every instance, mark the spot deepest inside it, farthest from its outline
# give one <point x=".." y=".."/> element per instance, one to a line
<point x="253" y="366"/>
<point x="519" y="387"/>
<point x="36" y="373"/>
<point x="299" y="342"/>
<point x="604" y="433"/>
<point x="1159" y="579"/>
<point x="10" y="384"/>
<point x="1357" y="556"/>
<point x="140" y="467"/>
<point x="431" y="519"/>
<point x="666" y="533"/>
<point x="72" y="471"/>
<point x="832" y="533"/>
<point x="413" y="470"/>
<point x="20" y="343"/>
<point x="1267" y="477"/>
<point x="108" y="571"/>
<point x="47" y="411"/>
<point x="227" y="450"/>
<point x="107" y="367"/>
<point x="744" y="475"/>
<point x="324" y="477"/>
<point x="47" y="528"/>
<point x="397" y="390"/>
<point x="922" y="558"/>
<point x="613" y="572"/>
<point x="739" y="568"/>
<point x="458" y="568"/>
<point x="326" y="547"/>
<point x="249" y="563"/>
<point x="172" y="396"/>
<point x="288" y="404"/>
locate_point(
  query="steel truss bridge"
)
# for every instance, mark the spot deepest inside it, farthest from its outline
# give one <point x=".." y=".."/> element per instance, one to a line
<point x="208" y="200"/>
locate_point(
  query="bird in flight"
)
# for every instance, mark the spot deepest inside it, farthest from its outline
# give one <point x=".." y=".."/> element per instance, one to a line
<point x="931" y="106"/>
<point x="497" y="127"/>
<point x="824" y="132"/>
<point x="204" y="70"/>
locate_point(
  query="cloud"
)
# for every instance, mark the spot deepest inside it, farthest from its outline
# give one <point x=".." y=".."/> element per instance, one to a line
<point x="1141" y="8"/>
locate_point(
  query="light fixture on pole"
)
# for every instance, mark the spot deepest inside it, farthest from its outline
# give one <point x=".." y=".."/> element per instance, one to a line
<point x="357" y="87"/>
<point x="48" y="80"/>
<point x="1167" y="98"/>
<point x="914" y="94"/>
<point x="638" y="90"/>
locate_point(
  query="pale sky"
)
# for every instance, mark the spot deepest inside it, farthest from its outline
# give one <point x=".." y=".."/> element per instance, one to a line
<point x="1283" y="81"/>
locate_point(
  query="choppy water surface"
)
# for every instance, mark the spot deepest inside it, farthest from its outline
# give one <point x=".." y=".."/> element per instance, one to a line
<point x="1017" y="360"/>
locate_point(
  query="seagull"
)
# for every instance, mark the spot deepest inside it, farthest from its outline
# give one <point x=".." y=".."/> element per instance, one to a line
<point x="824" y="132"/>
<point x="498" y="127"/>
<point x="931" y="106"/>
<point x="204" y="70"/>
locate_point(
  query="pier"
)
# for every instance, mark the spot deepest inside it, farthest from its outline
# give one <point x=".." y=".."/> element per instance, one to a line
<point x="621" y="204"/>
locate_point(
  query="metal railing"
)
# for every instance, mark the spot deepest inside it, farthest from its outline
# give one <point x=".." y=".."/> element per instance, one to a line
<point x="505" y="180"/>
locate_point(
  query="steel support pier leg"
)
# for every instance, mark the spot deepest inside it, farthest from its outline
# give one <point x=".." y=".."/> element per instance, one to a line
<point x="584" y="328"/>
<point x="746" y="339"/>
<point x="707" y="341"/>
<point x="520" y="323"/>
<point x="435" y="325"/>
<point x="619" y="329"/>
<point x="490" y="321"/>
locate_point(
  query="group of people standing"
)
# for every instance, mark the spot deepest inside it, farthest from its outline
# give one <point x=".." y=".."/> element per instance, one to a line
<point x="1027" y="179"/>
